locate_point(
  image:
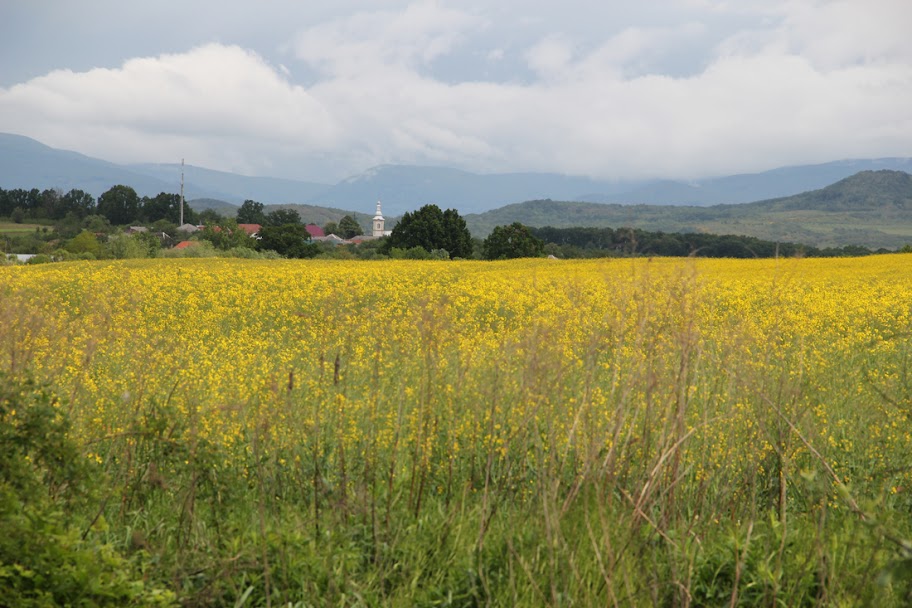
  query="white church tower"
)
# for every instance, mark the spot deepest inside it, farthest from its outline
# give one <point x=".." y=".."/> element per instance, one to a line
<point x="378" y="222"/>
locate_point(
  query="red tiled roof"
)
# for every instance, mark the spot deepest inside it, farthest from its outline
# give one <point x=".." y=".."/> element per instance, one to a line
<point x="314" y="230"/>
<point x="185" y="244"/>
<point x="250" y="228"/>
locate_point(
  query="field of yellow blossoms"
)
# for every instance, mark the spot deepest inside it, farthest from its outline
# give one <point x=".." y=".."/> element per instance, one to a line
<point x="538" y="432"/>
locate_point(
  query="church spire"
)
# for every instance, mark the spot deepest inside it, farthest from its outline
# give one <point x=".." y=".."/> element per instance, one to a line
<point x="378" y="221"/>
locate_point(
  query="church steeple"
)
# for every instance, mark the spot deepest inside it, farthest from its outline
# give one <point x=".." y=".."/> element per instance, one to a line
<point x="378" y="222"/>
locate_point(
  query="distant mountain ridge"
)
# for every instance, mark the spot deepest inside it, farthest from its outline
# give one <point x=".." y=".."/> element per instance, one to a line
<point x="405" y="188"/>
<point x="231" y="187"/>
<point x="883" y="191"/>
<point x="26" y="163"/>
<point x="749" y="187"/>
<point x="869" y="208"/>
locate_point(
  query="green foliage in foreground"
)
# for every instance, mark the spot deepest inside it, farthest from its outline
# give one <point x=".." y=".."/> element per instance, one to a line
<point x="51" y="551"/>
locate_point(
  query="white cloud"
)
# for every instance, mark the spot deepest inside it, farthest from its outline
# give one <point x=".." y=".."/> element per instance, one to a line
<point x="551" y="57"/>
<point x="149" y="106"/>
<point x="367" y="41"/>
<point x="829" y="33"/>
<point x="635" y="51"/>
<point x="835" y="33"/>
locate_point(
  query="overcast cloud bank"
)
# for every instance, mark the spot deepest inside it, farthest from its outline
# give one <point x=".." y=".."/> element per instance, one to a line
<point x="706" y="89"/>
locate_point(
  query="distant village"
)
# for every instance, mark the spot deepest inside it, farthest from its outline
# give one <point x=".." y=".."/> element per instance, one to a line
<point x="317" y="234"/>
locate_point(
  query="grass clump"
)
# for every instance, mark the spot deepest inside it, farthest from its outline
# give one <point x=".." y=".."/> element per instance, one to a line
<point x="50" y="555"/>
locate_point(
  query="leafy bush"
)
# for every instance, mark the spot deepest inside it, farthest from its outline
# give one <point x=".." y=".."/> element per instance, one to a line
<point x="412" y="253"/>
<point x="123" y="246"/>
<point x="44" y="559"/>
<point x="202" y="249"/>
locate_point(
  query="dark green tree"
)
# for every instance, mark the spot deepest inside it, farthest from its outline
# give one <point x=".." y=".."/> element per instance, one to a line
<point x="97" y="224"/>
<point x="289" y="240"/>
<point x="513" y="241"/>
<point x="430" y="228"/>
<point x="211" y="216"/>
<point x="165" y="206"/>
<point x="457" y="238"/>
<point x="251" y="212"/>
<point x="349" y="227"/>
<point x="25" y="200"/>
<point x="331" y="228"/>
<point x="280" y="217"/>
<point x="78" y="202"/>
<point x="50" y="204"/>
<point x="120" y="205"/>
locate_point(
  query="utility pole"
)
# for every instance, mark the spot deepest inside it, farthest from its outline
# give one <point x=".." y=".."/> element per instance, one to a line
<point x="182" y="194"/>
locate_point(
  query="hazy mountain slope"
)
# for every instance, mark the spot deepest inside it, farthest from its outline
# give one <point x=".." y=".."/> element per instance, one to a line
<point x="404" y="188"/>
<point x="314" y="214"/>
<point x="881" y="191"/>
<point x="219" y="206"/>
<point x="746" y="188"/>
<point x="871" y="208"/>
<point x="231" y="187"/>
<point x="26" y="163"/>
<point x="310" y="214"/>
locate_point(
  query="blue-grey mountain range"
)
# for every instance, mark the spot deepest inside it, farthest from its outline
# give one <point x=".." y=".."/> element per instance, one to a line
<point x="27" y="163"/>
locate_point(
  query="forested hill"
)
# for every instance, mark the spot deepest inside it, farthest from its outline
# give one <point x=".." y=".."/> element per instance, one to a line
<point x="872" y="191"/>
<point x="870" y="208"/>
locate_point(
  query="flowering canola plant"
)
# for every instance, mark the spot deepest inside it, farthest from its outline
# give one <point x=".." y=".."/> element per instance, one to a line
<point x="717" y="376"/>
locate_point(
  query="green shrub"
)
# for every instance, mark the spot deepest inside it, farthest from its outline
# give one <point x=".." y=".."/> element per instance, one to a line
<point x="124" y="246"/>
<point x="414" y="253"/>
<point x="47" y="556"/>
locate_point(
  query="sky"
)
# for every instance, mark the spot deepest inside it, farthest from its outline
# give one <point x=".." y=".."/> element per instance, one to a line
<point x="320" y="91"/>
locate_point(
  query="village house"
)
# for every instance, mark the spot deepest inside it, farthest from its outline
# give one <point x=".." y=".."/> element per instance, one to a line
<point x="250" y="229"/>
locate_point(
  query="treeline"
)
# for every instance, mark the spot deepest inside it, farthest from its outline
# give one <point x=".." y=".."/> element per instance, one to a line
<point x="425" y="233"/>
<point x="75" y="225"/>
<point x="605" y="242"/>
<point x="120" y="205"/>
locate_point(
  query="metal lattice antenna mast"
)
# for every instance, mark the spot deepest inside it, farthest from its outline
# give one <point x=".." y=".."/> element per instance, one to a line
<point x="182" y="193"/>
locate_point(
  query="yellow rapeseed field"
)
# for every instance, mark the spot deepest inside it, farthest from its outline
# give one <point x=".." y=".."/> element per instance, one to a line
<point x="580" y="364"/>
<point x="616" y="432"/>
